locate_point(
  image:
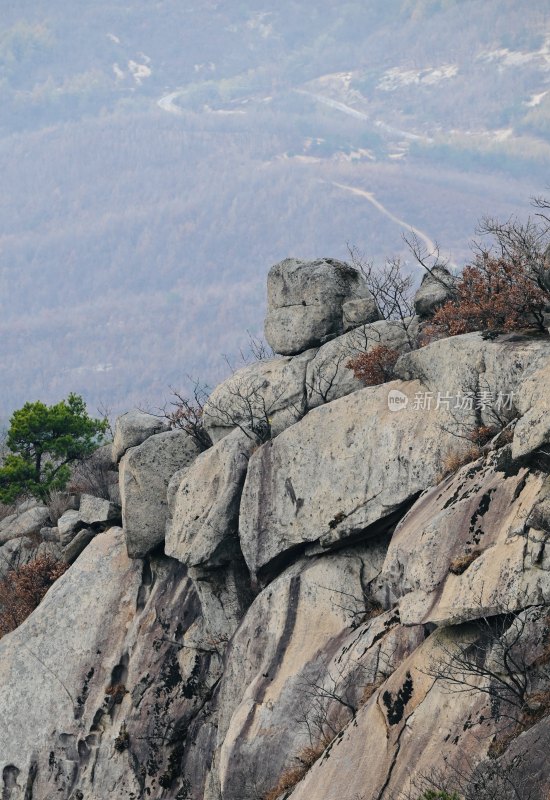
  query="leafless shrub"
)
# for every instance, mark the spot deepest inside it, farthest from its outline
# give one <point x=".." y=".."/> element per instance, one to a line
<point x="497" y="661"/>
<point x="58" y="503"/>
<point x="375" y="367"/>
<point x="392" y="289"/>
<point x="95" y="475"/>
<point x="186" y="413"/>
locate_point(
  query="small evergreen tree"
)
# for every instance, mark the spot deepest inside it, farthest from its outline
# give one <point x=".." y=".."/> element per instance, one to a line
<point x="42" y="442"/>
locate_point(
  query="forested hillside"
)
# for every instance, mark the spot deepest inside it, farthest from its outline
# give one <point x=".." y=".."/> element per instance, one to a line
<point x="157" y="158"/>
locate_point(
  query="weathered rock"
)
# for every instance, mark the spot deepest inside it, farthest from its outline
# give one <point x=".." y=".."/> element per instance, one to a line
<point x="359" y="311"/>
<point x="204" y="503"/>
<point x="75" y="547"/>
<point x="410" y="725"/>
<point x="533" y="403"/>
<point x="471" y="547"/>
<point x="305" y="302"/>
<point x="18" y="552"/>
<point x="133" y="428"/>
<point x="436" y="288"/>
<point x="97" y="674"/>
<point x="347" y="469"/>
<point x="328" y="377"/>
<point x="26" y="523"/>
<point x="302" y="635"/>
<point x="67" y="525"/>
<point x="268" y="394"/>
<point x="145" y="472"/>
<point x="494" y="372"/>
<point x="96" y="510"/>
<point x="50" y="534"/>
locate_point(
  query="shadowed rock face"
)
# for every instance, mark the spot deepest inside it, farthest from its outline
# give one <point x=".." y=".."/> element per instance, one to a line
<point x="305" y="303"/>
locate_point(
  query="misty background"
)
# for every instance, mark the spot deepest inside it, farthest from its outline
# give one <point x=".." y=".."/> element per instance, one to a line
<point x="156" y="158"/>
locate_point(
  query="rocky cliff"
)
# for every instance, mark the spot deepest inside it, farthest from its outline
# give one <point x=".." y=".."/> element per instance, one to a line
<point x="340" y="599"/>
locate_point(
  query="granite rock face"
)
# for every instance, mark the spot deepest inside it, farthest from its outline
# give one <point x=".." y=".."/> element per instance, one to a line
<point x="305" y="303"/>
<point x="328" y="376"/>
<point x="330" y="478"/>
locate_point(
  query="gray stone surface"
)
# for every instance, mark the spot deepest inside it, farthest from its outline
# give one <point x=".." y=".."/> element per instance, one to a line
<point x="92" y="676"/>
<point x="27" y="522"/>
<point x="145" y="472"/>
<point x="271" y="392"/>
<point x="305" y="302"/>
<point x="471" y="546"/>
<point x="75" y="547"/>
<point x="133" y="428"/>
<point x="67" y="525"/>
<point x="328" y="377"/>
<point x="95" y="510"/>
<point x="204" y="503"/>
<point x="346" y="466"/>
<point x="359" y="311"/>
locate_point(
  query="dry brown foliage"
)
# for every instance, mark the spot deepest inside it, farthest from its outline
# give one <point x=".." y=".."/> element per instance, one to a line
<point x="456" y="459"/>
<point x="461" y="564"/>
<point x="24" y="587"/>
<point x="376" y="366"/>
<point x="494" y="294"/>
<point x="293" y="775"/>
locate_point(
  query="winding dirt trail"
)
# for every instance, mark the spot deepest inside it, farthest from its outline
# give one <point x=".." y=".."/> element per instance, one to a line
<point x="423" y="237"/>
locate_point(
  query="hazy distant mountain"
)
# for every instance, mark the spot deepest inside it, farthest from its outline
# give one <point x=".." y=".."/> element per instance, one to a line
<point x="158" y="157"/>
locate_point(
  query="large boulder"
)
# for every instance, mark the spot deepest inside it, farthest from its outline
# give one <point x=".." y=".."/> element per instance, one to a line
<point x="204" y="503"/>
<point x="347" y="469"/>
<point x="265" y="397"/>
<point x="145" y="472"/>
<point x="412" y="727"/>
<point x="27" y="522"/>
<point x="305" y="302"/>
<point x="472" y="546"/>
<point x="436" y="288"/>
<point x="328" y="376"/>
<point x="133" y="428"/>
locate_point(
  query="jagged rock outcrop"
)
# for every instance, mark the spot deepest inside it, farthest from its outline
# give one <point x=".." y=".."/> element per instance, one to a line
<point x="299" y="638"/>
<point x="145" y="472"/>
<point x="305" y="303"/>
<point x="133" y="428"/>
<point x="305" y="672"/>
<point x="104" y="682"/>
